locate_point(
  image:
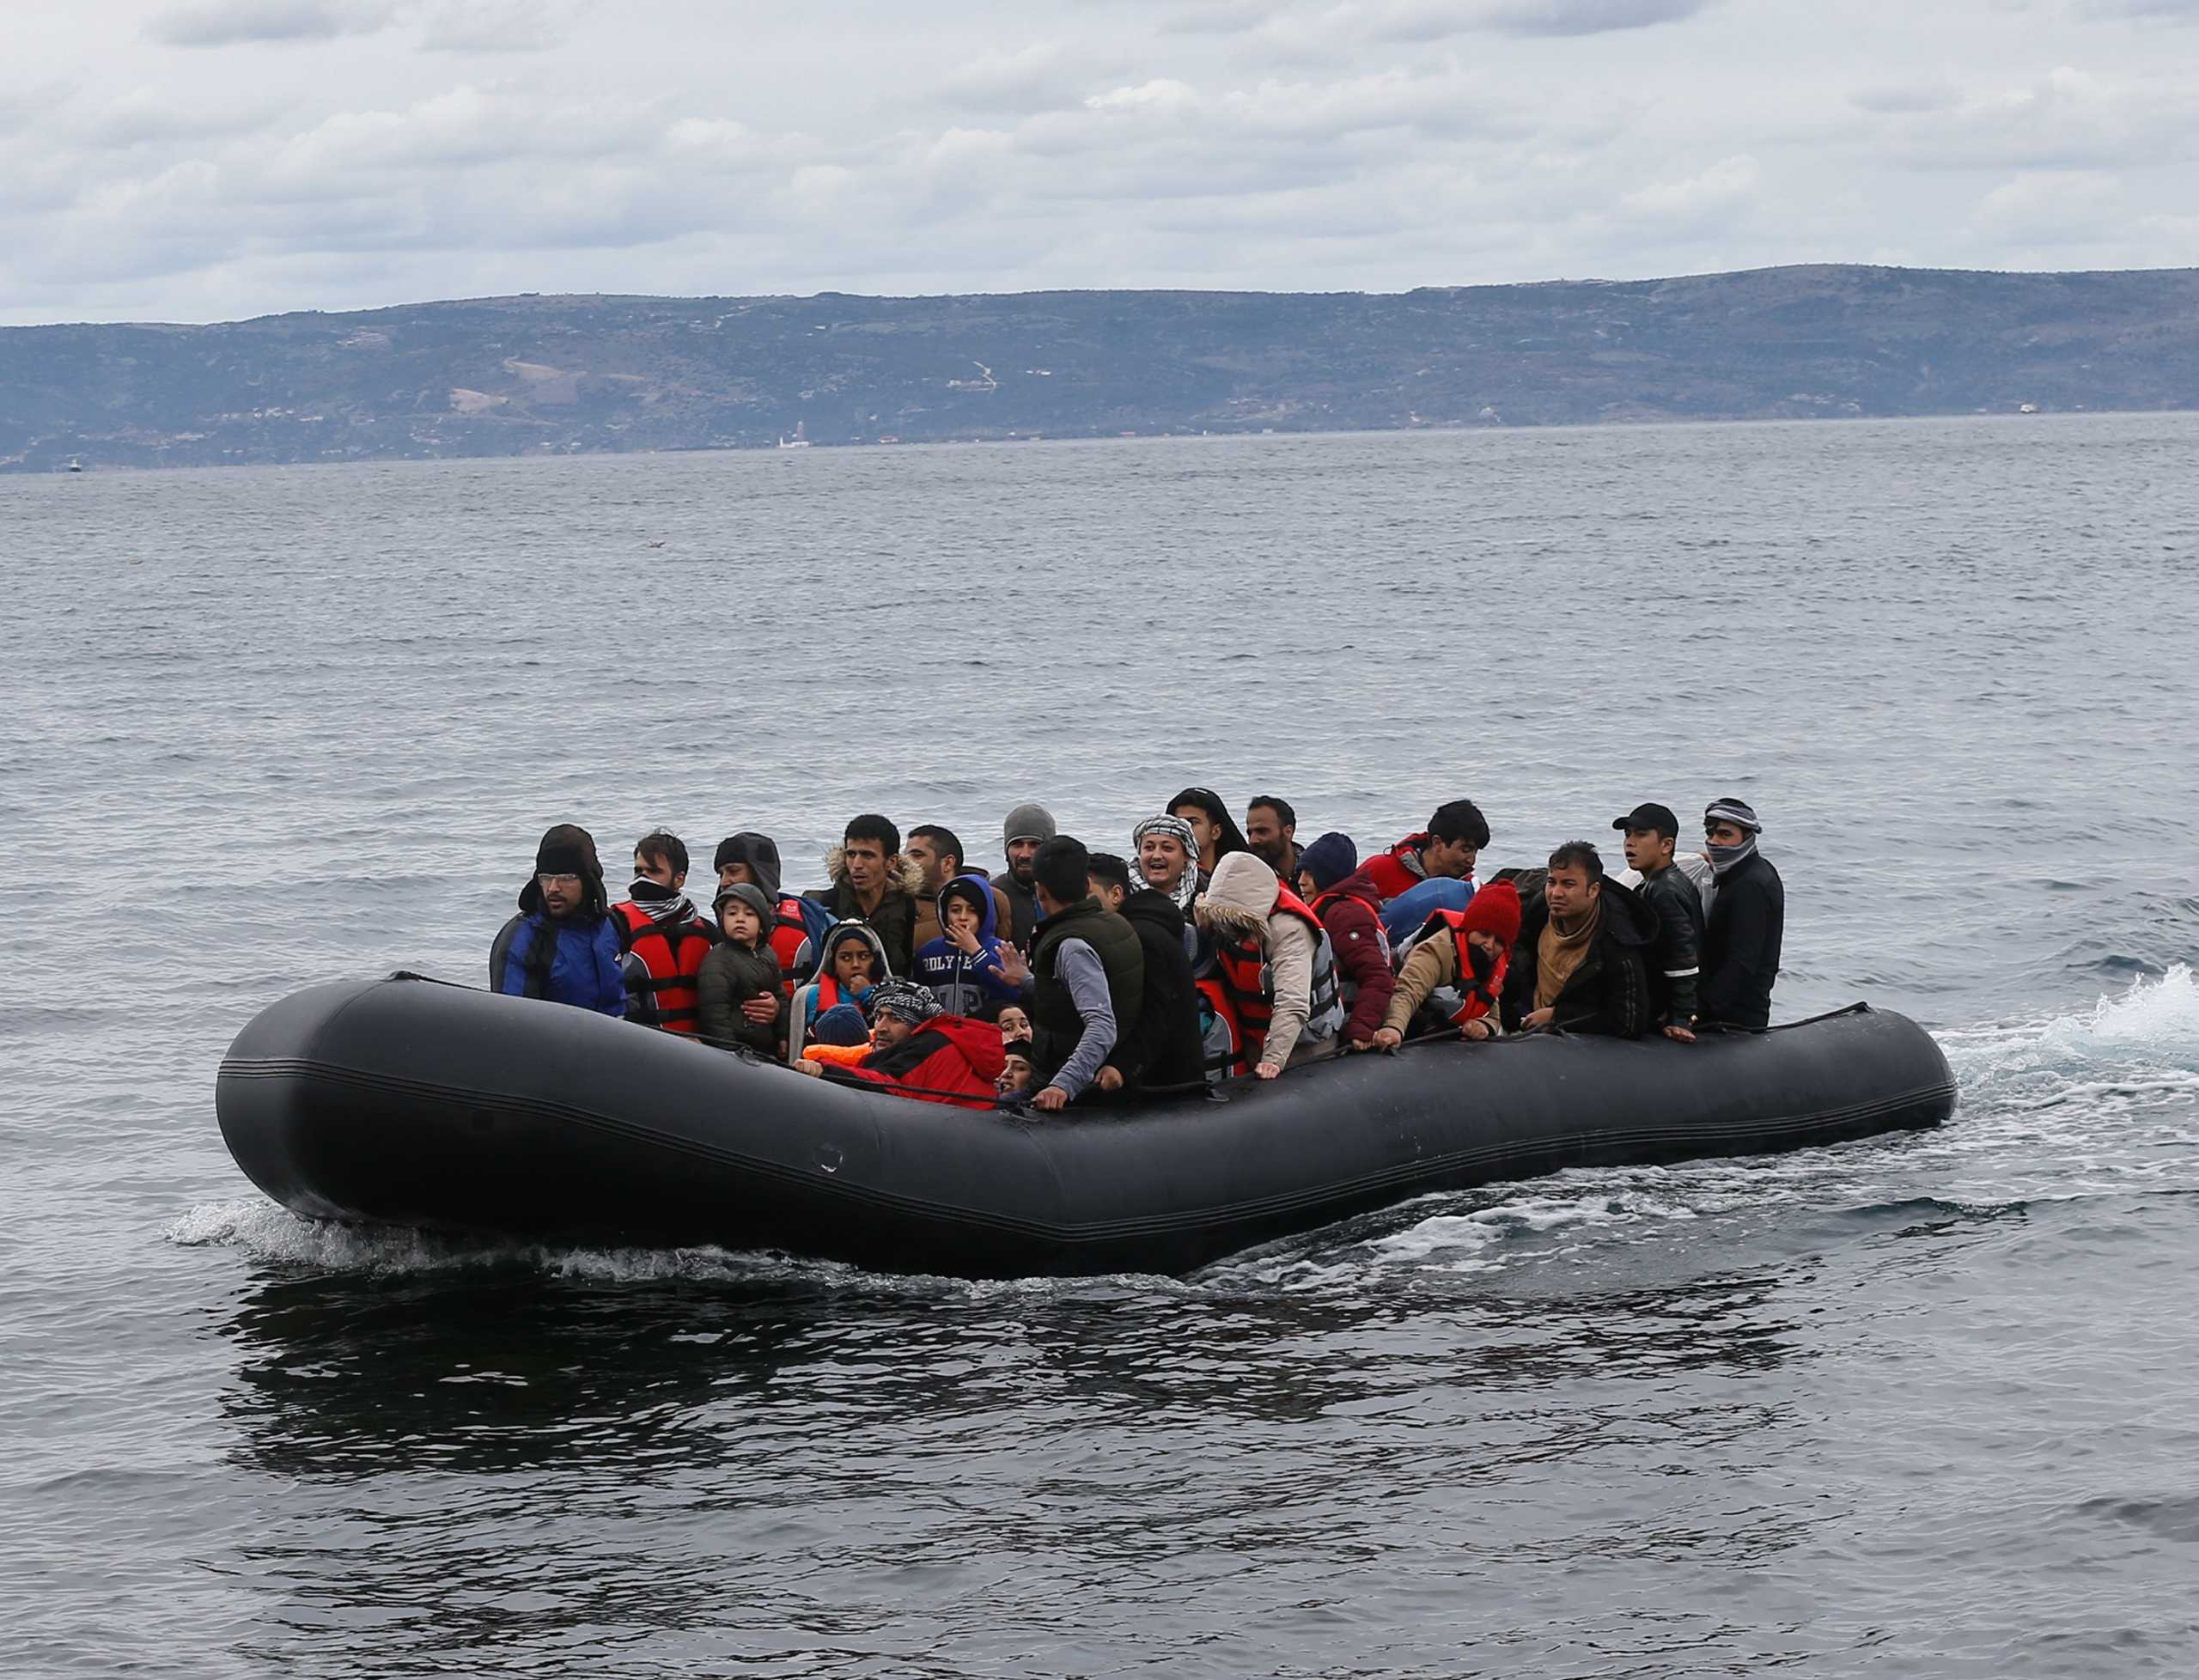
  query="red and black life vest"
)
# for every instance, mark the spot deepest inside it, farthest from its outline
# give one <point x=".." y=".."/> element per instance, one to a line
<point x="1481" y="997"/>
<point x="671" y="953"/>
<point x="1241" y="992"/>
<point x="789" y="942"/>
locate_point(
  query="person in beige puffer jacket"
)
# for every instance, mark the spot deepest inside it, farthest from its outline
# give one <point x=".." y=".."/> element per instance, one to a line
<point x="1240" y="902"/>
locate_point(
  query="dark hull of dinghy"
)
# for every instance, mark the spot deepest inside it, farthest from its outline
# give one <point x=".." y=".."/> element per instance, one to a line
<point x="408" y="1102"/>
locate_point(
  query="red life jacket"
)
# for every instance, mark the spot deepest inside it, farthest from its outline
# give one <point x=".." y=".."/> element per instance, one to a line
<point x="1481" y="999"/>
<point x="672" y="954"/>
<point x="1223" y="1036"/>
<point x="789" y="935"/>
<point x="1392" y="875"/>
<point x="1240" y="985"/>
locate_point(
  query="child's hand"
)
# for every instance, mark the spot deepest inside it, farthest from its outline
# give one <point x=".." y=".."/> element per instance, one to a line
<point x="964" y="939"/>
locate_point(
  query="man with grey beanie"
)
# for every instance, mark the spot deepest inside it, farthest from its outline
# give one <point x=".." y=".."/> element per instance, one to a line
<point x="1027" y="828"/>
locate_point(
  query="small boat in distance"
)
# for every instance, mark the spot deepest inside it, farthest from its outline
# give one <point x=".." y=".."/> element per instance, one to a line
<point x="799" y="440"/>
<point x="75" y="466"/>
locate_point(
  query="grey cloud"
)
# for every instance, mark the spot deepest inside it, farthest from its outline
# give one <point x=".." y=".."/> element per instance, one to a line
<point x="496" y="25"/>
<point x="1038" y="77"/>
<point x="233" y="22"/>
<point x="1581" y="17"/>
<point x="1902" y="100"/>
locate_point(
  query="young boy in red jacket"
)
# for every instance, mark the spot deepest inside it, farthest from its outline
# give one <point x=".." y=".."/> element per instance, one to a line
<point x="919" y="1050"/>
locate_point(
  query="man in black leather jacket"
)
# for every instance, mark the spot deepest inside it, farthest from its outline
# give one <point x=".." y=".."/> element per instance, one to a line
<point x="1652" y="831"/>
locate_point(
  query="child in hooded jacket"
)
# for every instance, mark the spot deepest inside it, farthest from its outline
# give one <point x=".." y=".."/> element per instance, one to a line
<point x="740" y="970"/>
<point x="962" y="966"/>
<point x="851" y="963"/>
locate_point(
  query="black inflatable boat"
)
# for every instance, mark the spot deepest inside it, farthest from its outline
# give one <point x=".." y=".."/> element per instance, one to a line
<point x="409" y="1102"/>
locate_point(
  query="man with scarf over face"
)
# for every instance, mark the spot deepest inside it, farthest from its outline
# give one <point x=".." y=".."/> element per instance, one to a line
<point x="665" y="938"/>
<point x="562" y="946"/>
<point x="1748" y="922"/>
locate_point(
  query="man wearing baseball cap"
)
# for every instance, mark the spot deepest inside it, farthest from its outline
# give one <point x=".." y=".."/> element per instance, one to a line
<point x="1652" y="831"/>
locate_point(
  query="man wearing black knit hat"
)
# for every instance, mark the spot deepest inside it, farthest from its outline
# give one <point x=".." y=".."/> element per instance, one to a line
<point x="1748" y="921"/>
<point x="562" y="945"/>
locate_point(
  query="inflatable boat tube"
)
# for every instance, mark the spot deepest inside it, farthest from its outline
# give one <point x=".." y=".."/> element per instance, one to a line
<point x="411" y="1102"/>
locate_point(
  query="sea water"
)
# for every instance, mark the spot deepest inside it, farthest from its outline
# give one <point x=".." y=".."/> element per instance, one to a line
<point x="1922" y="1404"/>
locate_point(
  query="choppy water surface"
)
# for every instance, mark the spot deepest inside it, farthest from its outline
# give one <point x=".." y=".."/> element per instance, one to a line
<point x="1926" y="1405"/>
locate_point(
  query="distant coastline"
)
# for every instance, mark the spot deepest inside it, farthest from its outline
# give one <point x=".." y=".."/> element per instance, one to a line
<point x="554" y="375"/>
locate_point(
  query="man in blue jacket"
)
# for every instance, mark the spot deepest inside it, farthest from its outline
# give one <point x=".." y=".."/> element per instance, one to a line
<point x="562" y="946"/>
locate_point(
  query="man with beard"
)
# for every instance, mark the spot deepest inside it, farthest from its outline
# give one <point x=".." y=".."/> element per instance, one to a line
<point x="1463" y="952"/>
<point x="664" y="938"/>
<point x="937" y="853"/>
<point x="562" y="946"/>
<point x="1581" y="962"/>
<point x="873" y="882"/>
<point x="1027" y="828"/>
<point x="1271" y="834"/>
<point x="1748" y="921"/>
<point x="1158" y="1050"/>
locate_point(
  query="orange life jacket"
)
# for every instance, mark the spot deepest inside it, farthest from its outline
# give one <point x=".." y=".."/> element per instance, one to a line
<point x="1481" y="999"/>
<point x="1241" y="990"/>
<point x="672" y="954"/>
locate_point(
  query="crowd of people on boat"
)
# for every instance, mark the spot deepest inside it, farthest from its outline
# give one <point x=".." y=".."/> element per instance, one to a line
<point x="1205" y="950"/>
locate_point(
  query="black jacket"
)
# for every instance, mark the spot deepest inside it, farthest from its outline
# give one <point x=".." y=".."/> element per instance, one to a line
<point x="1022" y="909"/>
<point x="1161" y="1047"/>
<point x="1608" y="992"/>
<point x="1677" y="959"/>
<point x="731" y="975"/>
<point x="1740" y="950"/>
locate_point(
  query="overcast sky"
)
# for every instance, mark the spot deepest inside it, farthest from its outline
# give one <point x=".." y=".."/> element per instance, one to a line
<point x="202" y="160"/>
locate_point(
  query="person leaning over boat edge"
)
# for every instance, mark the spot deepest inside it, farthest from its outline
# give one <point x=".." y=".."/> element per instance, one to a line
<point x="1580" y="964"/>
<point x="918" y="1049"/>
<point x="1275" y="977"/>
<point x="1084" y="979"/>
<point x="1160" y="1048"/>
<point x="1488" y="929"/>
<point x="873" y="882"/>
<point x="562" y="946"/>
<point x="1652" y="831"/>
<point x="1747" y="924"/>
<point x="664" y="937"/>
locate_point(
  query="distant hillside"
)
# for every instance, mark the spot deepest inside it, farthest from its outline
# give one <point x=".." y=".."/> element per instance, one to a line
<point x="530" y="375"/>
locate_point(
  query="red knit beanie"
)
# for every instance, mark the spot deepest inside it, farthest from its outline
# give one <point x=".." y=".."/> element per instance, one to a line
<point x="1494" y="909"/>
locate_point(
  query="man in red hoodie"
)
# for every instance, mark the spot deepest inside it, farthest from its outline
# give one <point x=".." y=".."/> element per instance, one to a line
<point x="1447" y="848"/>
<point x="922" y="1052"/>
